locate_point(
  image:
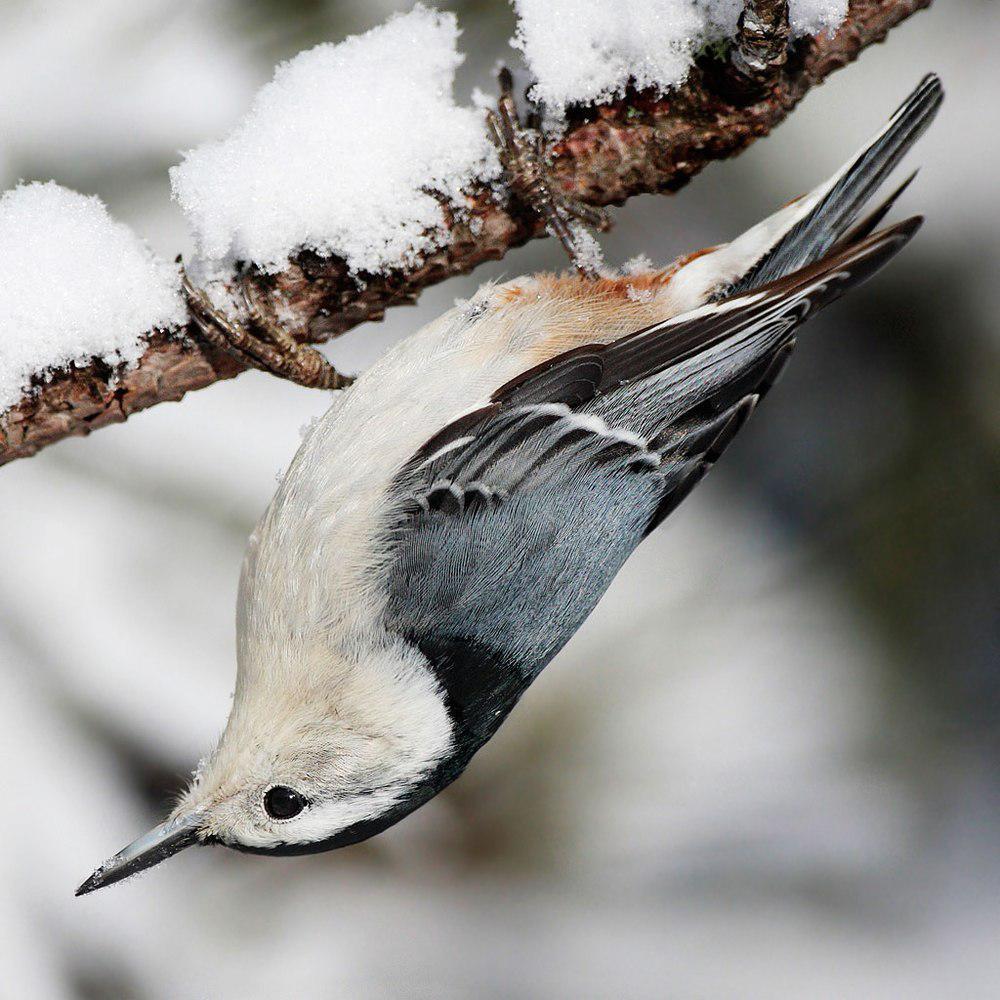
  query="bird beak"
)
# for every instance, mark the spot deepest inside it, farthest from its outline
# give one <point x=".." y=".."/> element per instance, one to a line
<point x="160" y="843"/>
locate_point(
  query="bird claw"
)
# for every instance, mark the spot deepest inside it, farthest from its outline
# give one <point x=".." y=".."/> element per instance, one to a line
<point x="260" y="342"/>
<point x="522" y="155"/>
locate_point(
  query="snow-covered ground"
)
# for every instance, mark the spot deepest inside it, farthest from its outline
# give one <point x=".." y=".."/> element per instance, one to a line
<point x="733" y="782"/>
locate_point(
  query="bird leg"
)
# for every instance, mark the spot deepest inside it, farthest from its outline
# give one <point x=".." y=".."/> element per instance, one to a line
<point x="261" y="342"/>
<point x="522" y="155"/>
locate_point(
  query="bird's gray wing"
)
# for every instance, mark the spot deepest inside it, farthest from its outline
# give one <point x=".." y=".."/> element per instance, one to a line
<point x="510" y="523"/>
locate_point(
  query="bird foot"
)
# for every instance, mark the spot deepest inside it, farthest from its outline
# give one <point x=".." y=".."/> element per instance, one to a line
<point x="522" y="155"/>
<point x="260" y="341"/>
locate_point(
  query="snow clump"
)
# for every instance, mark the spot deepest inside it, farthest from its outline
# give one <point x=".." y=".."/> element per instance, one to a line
<point x="74" y="285"/>
<point x="587" y="51"/>
<point x="340" y="154"/>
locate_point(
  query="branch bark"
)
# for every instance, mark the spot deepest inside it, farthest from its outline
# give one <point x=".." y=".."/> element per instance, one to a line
<point x="638" y="145"/>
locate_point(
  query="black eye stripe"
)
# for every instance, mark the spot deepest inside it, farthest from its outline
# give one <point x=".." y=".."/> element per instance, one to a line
<point x="282" y="802"/>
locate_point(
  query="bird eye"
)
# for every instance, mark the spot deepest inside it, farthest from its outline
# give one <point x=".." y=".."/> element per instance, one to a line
<point x="282" y="802"/>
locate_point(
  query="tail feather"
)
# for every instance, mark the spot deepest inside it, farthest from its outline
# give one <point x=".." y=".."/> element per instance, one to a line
<point x="870" y="222"/>
<point x="832" y="208"/>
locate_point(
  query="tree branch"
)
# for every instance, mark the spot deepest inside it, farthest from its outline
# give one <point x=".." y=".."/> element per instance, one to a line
<point x="640" y="144"/>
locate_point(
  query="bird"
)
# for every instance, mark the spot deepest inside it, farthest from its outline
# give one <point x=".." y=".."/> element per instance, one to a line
<point x="451" y="521"/>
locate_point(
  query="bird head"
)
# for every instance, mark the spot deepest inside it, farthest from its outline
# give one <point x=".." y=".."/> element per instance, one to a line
<point x="309" y="761"/>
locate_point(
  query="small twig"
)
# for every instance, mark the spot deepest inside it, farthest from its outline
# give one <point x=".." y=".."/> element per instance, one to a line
<point x="761" y="46"/>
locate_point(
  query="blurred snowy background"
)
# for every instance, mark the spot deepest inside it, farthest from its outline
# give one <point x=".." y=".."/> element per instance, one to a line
<point x="767" y="766"/>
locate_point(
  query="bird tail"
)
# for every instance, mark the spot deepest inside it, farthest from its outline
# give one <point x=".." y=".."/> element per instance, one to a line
<point x="809" y="227"/>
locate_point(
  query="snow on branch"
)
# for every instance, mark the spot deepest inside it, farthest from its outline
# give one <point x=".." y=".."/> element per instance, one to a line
<point x="592" y="51"/>
<point x="356" y="180"/>
<point x="74" y="285"/>
<point x="340" y="154"/>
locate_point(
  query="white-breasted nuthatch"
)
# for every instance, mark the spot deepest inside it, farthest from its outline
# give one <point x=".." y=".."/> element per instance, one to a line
<point x="459" y="511"/>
